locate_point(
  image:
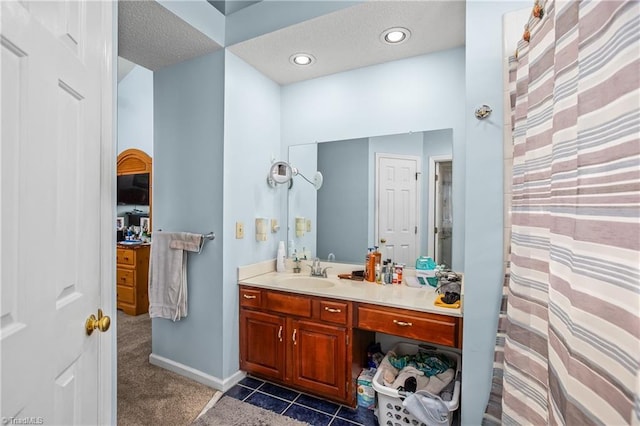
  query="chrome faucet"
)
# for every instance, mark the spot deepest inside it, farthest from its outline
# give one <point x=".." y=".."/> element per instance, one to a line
<point x="317" y="270"/>
<point x="331" y="257"/>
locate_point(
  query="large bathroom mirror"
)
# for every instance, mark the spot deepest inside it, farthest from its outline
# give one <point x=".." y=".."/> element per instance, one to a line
<point x="378" y="187"/>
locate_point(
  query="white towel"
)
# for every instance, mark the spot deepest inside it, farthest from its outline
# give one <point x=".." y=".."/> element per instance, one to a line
<point x="168" y="273"/>
<point x="427" y="408"/>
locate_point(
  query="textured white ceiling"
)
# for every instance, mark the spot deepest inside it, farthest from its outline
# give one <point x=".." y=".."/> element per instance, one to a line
<point x="151" y="36"/>
<point x="350" y="38"/>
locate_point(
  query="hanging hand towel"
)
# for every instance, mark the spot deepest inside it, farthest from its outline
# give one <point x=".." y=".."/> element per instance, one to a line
<point x="168" y="273"/>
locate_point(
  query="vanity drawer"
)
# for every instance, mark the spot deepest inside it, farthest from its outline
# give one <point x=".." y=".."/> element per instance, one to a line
<point x="250" y="298"/>
<point x="126" y="294"/>
<point x="125" y="277"/>
<point x="288" y="304"/>
<point x="335" y="312"/>
<point x="125" y="256"/>
<point x="433" y="328"/>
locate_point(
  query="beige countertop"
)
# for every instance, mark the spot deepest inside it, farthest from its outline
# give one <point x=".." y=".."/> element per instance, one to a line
<point x="392" y="295"/>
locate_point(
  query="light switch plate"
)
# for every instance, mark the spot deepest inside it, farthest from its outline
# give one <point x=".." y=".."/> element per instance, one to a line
<point x="239" y="230"/>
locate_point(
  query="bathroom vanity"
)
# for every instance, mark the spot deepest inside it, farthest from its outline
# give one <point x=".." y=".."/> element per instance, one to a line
<point x="312" y="333"/>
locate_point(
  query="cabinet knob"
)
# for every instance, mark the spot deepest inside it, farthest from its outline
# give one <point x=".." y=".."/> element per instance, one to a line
<point x="402" y="323"/>
<point x="332" y="310"/>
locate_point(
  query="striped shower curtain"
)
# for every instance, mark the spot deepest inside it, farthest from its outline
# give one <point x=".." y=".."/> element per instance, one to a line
<point x="571" y="340"/>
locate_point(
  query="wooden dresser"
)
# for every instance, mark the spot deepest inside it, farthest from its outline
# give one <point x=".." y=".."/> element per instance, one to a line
<point x="132" y="278"/>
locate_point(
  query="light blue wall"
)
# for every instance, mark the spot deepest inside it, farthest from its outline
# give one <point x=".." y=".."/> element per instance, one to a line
<point x="252" y="22"/>
<point x="188" y="195"/>
<point x="484" y="196"/>
<point x="200" y="15"/>
<point x="251" y="140"/>
<point x="368" y="102"/>
<point x="135" y="111"/>
<point x="343" y="200"/>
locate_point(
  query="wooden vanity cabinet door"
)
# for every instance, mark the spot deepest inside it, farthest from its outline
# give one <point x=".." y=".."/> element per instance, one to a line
<point x="320" y="358"/>
<point x="262" y="343"/>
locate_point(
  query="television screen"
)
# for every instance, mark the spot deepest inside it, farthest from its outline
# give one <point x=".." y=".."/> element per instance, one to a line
<point x="133" y="189"/>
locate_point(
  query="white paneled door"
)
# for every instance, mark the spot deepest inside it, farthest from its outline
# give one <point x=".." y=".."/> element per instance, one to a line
<point x="57" y="175"/>
<point x="397" y="206"/>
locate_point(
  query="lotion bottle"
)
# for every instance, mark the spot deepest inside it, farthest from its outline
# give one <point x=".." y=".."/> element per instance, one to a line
<point x="280" y="258"/>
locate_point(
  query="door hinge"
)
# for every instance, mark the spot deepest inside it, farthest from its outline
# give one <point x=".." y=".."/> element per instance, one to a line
<point x="417" y="174"/>
<point x="435" y="230"/>
<point x="415" y="231"/>
<point x="436" y="178"/>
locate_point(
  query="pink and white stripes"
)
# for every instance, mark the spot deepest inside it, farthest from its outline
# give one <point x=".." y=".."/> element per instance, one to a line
<point x="572" y="346"/>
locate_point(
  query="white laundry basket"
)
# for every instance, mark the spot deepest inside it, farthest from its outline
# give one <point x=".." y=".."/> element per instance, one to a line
<point x="390" y="409"/>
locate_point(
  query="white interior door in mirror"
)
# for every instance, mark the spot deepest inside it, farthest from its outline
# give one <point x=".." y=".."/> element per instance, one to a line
<point x="397" y="204"/>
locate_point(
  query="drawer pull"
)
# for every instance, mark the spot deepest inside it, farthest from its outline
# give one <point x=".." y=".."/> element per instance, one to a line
<point x="246" y="296"/>
<point x="126" y="258"/>
<point x="333" y="311"/>
<point x="402" y="323"/>
<point x="280" y="334"/>
<point x="294" y="336"/>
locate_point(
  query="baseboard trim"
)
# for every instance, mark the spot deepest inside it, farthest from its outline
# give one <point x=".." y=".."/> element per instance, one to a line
<point x="197" y="375"/>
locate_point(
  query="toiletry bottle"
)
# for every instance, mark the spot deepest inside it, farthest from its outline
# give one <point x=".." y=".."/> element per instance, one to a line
<point x="377" y="255"/>
<point x="378" y="274"/>
<point x="370" y="268"/>
<point x="386" y="279"/>
<point x="367" y="258"/>
<point x="280" y="258"/>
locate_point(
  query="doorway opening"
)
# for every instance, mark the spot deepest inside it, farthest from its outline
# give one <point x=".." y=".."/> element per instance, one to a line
<point x="440" y="209"/>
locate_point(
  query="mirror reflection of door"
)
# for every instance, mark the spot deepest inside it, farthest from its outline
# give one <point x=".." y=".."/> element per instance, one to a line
<point x="397" y="206"/>
<point x="443" y="213"/>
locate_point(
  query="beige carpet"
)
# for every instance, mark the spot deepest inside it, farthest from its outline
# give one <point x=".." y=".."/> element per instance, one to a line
<point x="150" y="395"/>
<point x="231" y="412"/>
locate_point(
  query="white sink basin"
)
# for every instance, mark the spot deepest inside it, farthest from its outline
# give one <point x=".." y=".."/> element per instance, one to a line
<point x="306" y="282"/>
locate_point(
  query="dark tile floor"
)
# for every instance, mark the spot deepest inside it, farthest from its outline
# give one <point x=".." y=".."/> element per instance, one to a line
<point x="300" y="406"/>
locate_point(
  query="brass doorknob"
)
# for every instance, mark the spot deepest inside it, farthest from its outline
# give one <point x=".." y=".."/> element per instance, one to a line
<point x="101" y="323"/>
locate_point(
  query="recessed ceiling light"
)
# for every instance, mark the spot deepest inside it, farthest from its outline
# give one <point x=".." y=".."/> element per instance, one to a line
<point x="395" y="35"/>
<point x="302" y="59"/>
